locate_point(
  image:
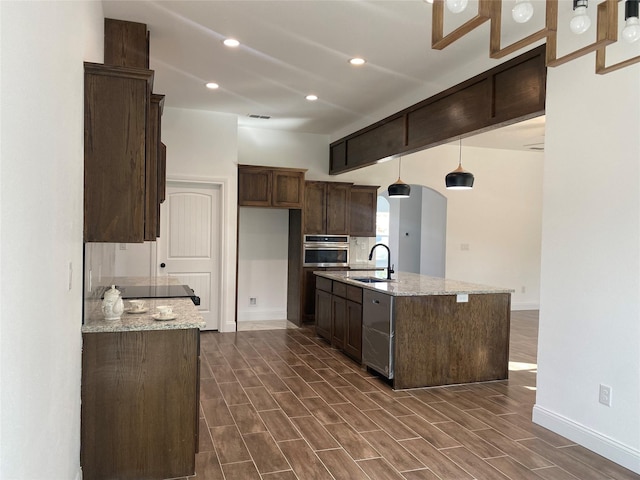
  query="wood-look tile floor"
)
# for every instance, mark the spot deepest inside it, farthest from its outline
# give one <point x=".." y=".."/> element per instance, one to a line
<point x="283" y="405"/>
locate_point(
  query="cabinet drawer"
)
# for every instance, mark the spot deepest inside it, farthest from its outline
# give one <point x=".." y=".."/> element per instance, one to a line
<point x="340" y="289"/>
<point x="323" y="284"/>
<point x="354" y="293"/>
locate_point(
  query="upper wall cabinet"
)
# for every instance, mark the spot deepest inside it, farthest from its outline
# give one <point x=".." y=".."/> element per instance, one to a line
<point x="362" y="211"/>
<point x="270" y="187"/>
<point x="124" y="175"/>
<point x="326" y="208"/>
<point x="116" y="105"/>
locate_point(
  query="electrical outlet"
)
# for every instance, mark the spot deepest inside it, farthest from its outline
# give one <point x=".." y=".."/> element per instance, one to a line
<point x="123" y="246"/>
<point x="605" y="395"/>
<point x="253" y="301"/>
<point x="464" y="246"/>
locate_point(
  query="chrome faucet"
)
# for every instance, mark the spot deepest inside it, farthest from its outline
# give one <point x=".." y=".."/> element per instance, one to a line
<point x="389" y="266"/>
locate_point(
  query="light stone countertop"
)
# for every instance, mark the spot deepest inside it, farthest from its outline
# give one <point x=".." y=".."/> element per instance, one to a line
<point x="412" y="284"/>
<point x="187" y="315"/>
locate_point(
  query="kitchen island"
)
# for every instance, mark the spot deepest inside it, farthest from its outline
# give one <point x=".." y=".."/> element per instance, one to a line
<point x="140" y="391"/>
<point x="416" y="330"/>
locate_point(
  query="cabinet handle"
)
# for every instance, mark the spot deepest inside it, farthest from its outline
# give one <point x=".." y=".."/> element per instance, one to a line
<point x="377" y="302"/>
<point x="162" y="265"/>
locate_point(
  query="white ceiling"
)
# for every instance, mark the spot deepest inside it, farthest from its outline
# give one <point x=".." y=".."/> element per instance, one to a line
<point x="290" y="48"/>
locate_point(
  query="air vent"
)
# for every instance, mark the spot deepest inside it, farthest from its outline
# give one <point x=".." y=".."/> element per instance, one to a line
<point x="263" y="117"/>
<point x="538" y="149"/>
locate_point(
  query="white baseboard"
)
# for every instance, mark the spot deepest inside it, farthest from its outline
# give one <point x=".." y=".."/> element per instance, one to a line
<point x="254" y="315"/>
<point x="601" y="444"/>
<point x="525" y="306"/>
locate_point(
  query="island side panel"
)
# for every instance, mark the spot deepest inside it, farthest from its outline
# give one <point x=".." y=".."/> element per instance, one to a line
<point x="139" y="404"/>
<point x="442" y="342"/>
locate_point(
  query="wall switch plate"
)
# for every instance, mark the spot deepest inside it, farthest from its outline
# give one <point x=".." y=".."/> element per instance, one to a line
<point x="253" y="301"/>
<point x="605" y="395"/>
<point x="464" y="246"/>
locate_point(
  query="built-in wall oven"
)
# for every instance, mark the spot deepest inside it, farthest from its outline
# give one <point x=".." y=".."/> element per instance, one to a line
<point x="326" y="251"/>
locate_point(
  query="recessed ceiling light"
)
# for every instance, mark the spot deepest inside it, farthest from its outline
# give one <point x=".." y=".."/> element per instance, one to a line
<point x="357" y="61"/>
<point x="212" y="85"/>
<point x="231" y="42"/>
<point x="311" y="98"/>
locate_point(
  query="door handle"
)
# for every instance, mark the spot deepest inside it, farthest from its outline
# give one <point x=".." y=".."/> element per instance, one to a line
<point x="162" y="265"/>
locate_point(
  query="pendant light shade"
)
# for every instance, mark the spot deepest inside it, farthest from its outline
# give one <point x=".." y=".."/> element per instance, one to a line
<point x="459" y="179"/>
<point x="399" y="189"/>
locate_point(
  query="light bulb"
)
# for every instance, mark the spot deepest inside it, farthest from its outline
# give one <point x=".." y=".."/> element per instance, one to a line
<point x="522" y="11"/>
<point x="631" y="31"/>
<point x="456" y="6"/>
<point x="580" y="22"/>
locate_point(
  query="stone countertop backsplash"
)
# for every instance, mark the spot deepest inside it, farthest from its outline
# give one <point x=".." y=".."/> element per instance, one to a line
<point x="412" y="284"/>
<point x="187" y="315"/>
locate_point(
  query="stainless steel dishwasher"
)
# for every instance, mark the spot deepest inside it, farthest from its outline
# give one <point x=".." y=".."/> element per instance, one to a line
<point x="378" y="332"/>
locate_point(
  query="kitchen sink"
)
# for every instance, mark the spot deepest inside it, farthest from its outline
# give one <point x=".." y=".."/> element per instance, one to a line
<point x="370" y="279"/>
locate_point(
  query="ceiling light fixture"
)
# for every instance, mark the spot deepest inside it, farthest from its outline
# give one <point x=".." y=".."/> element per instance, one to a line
<point x="631" y="31"/>
<point x="212" y="85"/>
<point x="459" y="179"/>
<point x="522" y="11"/>
<point x="456" y="6"/>
<point x="311" y="98"/>
<point x="231" y="42"/>
<point x="580" y="22"/>
<point x="357" y="61"/>
<point x="399" y="189"/>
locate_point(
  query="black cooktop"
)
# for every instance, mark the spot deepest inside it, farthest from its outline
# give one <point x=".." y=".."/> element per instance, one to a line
<point x="155" y="291"/>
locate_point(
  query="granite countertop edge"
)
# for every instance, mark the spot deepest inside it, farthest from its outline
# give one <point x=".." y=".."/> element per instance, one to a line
<point x="187" y="316"/>
<point x="413" y="284"/>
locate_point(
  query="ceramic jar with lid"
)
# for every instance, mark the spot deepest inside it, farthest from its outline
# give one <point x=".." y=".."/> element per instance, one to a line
<point x="112" y="304"/>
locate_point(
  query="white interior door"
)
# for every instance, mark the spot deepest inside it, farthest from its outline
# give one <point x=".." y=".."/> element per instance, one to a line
<point x="190" y="242"/>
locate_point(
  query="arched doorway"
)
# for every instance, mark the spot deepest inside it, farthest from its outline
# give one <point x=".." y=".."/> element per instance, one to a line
<point x="415" y="229"/>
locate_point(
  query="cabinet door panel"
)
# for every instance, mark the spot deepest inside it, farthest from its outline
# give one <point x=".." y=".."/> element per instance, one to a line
<point x="288" y="189"/>
<point x="315" y="207"/>
<point x="338" y="321"/>
<point x="353" y="331"/>
<point x="115" y="117"/>
<point x="254" y="187"/>
<point x="363" y="208"/>
<point x="338" y="197"/>
<point x="323" y="314"/>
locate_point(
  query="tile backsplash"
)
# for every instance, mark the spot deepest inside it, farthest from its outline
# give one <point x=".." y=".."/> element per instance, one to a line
<point x="359" y="248"/>
<point x="99" y="270"/>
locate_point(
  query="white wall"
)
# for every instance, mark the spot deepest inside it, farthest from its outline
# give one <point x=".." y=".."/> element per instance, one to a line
<point x="41" y="183"/>
<point x="499" y="220"/>
<point x="263" y="256"/>
<point x="590" y="297"/>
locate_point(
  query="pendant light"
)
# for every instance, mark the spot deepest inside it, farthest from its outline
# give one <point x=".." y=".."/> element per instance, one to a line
<point x="631" y="31"/>
<point x="459" y="179"/>
<point x="580" y="22"/>
<point x="399" y="189"/>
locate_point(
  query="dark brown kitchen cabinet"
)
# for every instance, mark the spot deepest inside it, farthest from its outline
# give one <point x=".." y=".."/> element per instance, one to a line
<point x="116" y="107"/>
<point x="126" y="43"/>
<point x="326" y="207"/>
<point x="323" y="311"/>
<point x="339" y="316"/>
<point x="362" y="211"/>
<point x="270" y="187"/>
<point x="140" y="401"/>
<point x="154" y="183"/>
<point x="353" y="327"/>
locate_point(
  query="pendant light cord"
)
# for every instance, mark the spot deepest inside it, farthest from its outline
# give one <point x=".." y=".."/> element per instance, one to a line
<point x="460" y="157"/>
